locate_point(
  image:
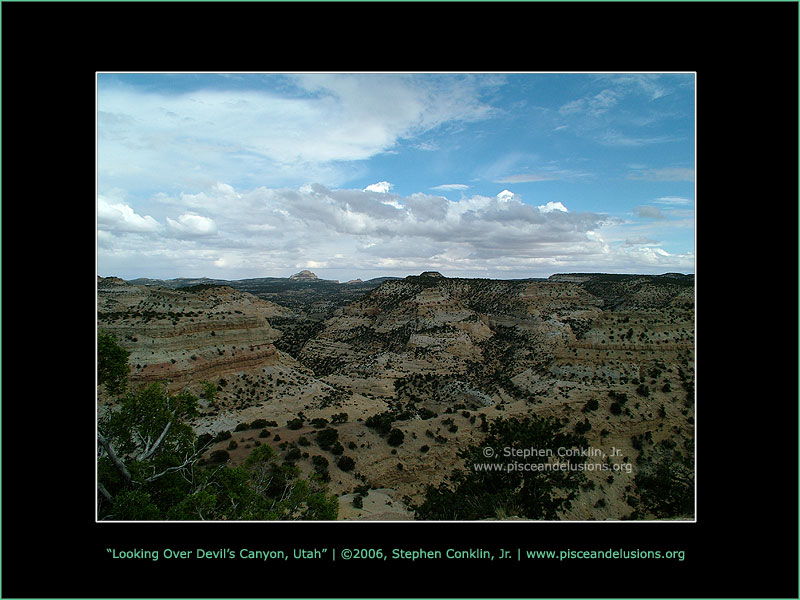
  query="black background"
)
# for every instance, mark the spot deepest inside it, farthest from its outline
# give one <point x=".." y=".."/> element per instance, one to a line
<point x="744" y="543"/>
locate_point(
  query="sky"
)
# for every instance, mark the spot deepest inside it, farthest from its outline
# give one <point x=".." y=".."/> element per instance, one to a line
<point x="362" y="175"/>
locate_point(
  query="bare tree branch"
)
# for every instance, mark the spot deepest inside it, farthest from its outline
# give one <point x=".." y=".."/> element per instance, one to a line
<point x="126" y="475"/>
<point x="104" y="492"/>
<point x="148" y="453"/>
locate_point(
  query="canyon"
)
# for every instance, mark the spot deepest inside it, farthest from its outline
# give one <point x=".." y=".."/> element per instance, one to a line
<point x="434" y="357"/>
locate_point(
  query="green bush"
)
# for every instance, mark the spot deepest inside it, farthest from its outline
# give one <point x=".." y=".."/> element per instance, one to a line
<point x="219" y="456"/>
<point x="346" y="463"/>
<point x="395" y="438"/>
<point x="472" y="494"/>
<point x="381" y="422"/>
<point x="591" y="405"/>
<point x="326" y="438"/>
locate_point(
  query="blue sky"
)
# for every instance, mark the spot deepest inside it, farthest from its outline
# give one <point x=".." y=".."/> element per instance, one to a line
<point x="361" y="175"/>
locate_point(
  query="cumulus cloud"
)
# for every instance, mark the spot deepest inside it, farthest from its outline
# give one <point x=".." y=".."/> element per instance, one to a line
<point x="381" y="187"/>
<point x="551" y="206"/>
<point x="353" y="232"/>
<point x="192" y="225"/>
<point x="121" y="217"/>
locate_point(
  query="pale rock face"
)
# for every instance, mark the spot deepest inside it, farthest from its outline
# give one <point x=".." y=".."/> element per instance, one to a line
<point x="304" y="276"/>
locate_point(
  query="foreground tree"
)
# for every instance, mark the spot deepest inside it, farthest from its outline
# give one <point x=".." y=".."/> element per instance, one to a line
<point x="494" y="483"/>
<point x="112" y="363"/>
<point x="664" y="484"/>
<point x="150" y="468"/>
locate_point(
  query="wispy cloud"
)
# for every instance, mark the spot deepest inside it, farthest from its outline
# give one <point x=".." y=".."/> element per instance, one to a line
<point x="649" y="212"/>
<point x="331" y="120"/>
<point x="450" y="187"/>
<point x="664" y="174"/>
<point x="672" y="201"/>
<point x="545" y="175"/>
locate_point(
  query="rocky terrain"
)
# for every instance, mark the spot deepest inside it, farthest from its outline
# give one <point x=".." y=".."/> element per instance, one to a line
<point x="429" y="356"/>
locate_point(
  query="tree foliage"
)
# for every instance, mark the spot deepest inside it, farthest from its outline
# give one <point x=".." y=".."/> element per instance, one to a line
<point x="477" y="492"/>
<point x="149" y="468"/>
<point x="112" y="363"/>
<point x="664" y="483"/>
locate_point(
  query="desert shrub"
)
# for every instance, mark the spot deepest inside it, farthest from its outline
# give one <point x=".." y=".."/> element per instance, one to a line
<point x="591" y="405"/>
<point x="381" y="422"/>
<point x="339" y="417"/>
<point x="219" y="456"/>
<point x="264" y="433"/>
<point x="319" y="422"/>
<point x="326" y="437"/>
<point x="352" y="445"/>
<point x="242" y="427"/>
<point x="233" y="445"/>
<point x="358" y="502"/>
<point x="426" y="414"/>
<point x="346" y="463"/>
<point x="583" y="427"/>
<point x="293" y="454"/>
<point x="258" y="424"/>
<point x="303" y="441"/>
<point x="337" y="449"/>
<point x="222" y="436"/>
<point x="319" y="461"/>
<point x="396" y="437"/>
<point x="296" y="423"/>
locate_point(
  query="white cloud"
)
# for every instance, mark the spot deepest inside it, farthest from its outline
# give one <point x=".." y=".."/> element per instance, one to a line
<point x="672" y="201"/>
<point x="665" y="174"/>
<point x="551" y="206"/>
<point x="121" y="217"/>
<point x="506" y="195"/>
<point x="194" y="138"/>
<point x="192" y="225"/>
<point x="381" y="187"/>
<point x="451" y="186"/>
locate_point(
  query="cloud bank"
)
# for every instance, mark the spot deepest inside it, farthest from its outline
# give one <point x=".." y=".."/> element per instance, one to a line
<point x="228" y="233"/>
